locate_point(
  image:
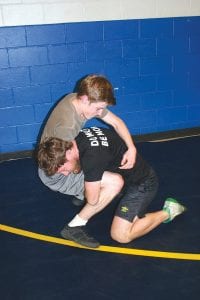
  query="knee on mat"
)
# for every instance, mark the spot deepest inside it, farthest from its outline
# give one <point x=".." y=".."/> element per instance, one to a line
<point x="122" y="238"/>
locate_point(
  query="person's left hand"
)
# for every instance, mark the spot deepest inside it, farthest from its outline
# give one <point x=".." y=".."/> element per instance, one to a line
<point x="128" y="159"/>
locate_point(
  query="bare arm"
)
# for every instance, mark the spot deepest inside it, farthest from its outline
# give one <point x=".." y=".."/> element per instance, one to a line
<point x="129" y="157"/>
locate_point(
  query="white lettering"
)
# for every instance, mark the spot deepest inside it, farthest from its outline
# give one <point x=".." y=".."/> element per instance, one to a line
<point x="94" y="143"/>
<point x="93" y="138"/>
<point x="103" y="138"/>
<point x="89" y="134"/>
<point x="104" y="143"/>
<point x="97" y="130"/>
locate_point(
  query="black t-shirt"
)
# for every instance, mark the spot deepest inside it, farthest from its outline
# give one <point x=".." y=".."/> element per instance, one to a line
<point x="101" y="149"/>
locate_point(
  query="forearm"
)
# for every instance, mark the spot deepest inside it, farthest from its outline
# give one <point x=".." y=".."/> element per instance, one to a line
<point x="124" y="133"/>
<point x="129" y="157"/>
<point x="121" y="128"/>
<point x="92" y="192"/>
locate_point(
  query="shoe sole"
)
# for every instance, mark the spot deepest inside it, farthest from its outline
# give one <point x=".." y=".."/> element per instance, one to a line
<point x="69" y="238"/>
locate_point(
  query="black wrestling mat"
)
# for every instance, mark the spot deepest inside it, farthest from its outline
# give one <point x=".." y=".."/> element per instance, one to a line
<point x="36" y="264"/>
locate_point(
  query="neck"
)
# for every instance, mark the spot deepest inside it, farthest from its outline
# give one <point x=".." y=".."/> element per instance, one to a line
<point x="78" y="106"/>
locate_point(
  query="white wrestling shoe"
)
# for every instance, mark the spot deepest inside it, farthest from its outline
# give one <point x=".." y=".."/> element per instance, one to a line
<point x="173" y="208"/>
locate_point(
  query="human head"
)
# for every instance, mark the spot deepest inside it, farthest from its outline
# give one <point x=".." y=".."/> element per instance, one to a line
<point x="97" y="88"/>
<point x="51" y="154"/>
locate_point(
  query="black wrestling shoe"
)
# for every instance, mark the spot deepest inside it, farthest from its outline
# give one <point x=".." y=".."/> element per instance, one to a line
<point x="79" y="235"/>
<point x="78" y="202"/>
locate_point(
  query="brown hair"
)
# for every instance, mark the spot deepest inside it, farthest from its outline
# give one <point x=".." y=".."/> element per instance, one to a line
<point x="51" y="154"/>
<point x="97" y="88"/>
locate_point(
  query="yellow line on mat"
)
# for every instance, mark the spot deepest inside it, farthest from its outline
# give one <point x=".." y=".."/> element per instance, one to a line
<point x="120" y="250"/>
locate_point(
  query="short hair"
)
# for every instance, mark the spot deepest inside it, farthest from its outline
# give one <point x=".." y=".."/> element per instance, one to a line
<point x="51" y="154"/>
<point x="97" y="88"/>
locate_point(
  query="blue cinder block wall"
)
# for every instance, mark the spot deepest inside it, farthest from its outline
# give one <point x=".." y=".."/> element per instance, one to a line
<point x="153" y="64"/>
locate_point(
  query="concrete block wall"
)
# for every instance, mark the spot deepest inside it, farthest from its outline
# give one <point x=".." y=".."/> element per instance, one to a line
<point x="153" y="63"/>
<point x="29" y="12"/>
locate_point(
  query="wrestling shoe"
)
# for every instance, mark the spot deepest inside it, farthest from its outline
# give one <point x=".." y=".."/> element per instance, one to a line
<point x="173" y="208"/>
<point x="79" y="235"/>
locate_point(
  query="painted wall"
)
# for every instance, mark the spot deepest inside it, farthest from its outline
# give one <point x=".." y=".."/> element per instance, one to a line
<point x="29" y="12"/>
<point x="152" y="62"/>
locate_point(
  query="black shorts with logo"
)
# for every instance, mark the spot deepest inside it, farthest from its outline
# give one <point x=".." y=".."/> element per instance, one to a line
<point x="137" y="197"/>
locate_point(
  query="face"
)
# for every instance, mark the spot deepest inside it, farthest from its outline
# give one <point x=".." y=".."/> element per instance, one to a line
<point x="72" y="164"/>
<point x="94" y="109"/>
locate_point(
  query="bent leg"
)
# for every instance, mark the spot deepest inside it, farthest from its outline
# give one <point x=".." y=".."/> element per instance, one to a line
<point x="130" y="221"/>
<point x="111" y="185"/>
<point x="124" y="231"/>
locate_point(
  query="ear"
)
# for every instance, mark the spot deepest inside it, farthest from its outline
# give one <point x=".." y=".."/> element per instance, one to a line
<point x="84" y="99"/>
<point x="68" y="154"/>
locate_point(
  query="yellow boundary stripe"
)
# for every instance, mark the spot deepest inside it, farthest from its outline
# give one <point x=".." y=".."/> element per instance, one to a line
<point x="119" y="250"/>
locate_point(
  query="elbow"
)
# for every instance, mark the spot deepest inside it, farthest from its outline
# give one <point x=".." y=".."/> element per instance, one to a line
<point x="93" y="203"/>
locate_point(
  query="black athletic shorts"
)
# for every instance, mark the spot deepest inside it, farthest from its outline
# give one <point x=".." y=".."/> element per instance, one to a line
<point x="137" y="197"/>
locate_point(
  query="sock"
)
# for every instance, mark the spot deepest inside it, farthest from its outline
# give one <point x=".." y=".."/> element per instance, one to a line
<point x="77" y="221"/>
